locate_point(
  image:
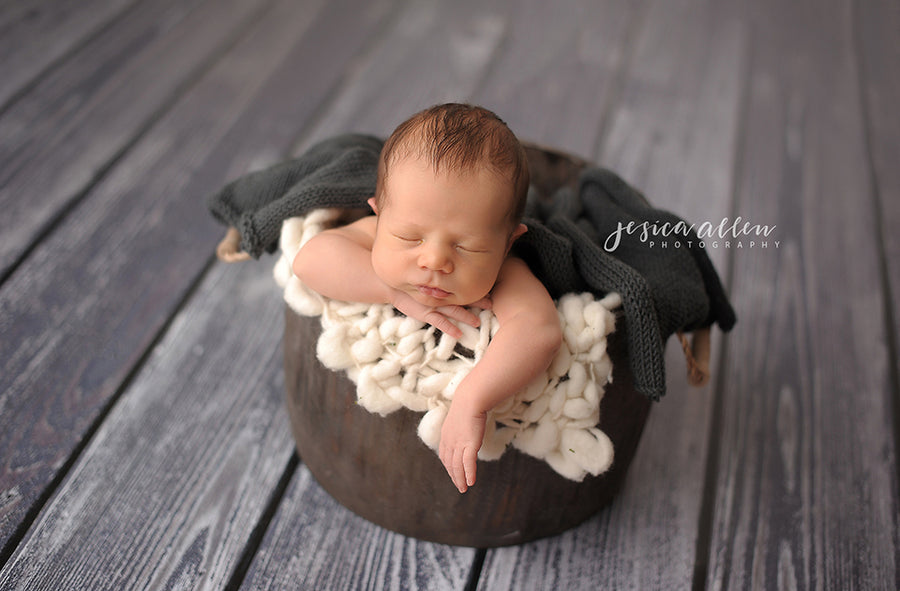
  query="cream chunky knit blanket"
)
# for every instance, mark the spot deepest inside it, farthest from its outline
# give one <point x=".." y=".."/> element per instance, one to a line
<point x="397" y="362"/>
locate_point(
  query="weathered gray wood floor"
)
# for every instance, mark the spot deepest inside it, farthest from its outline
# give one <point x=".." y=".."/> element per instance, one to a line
<point x="143" y="439"/>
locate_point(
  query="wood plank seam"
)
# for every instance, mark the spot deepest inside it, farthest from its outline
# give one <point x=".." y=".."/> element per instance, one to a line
<point x="255" y="538"/>
<point x="878" y="211"/>
<point x="711" y="473"/>
<point x="636" y="22"/>
<point x="302" y="138"/>
<point x="102" y="171"/>
<point x="493" y="63"/>
<point x="58" y="62"/>
<point x="39" y="503"/>
<point x="475" y="572"/>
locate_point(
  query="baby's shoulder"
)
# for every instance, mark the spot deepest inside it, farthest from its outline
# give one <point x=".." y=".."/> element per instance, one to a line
<point x="515" y="278"/>
<point x="361" y="231"/>
<point x="519" y="290"/>
<point x="516" y="266"/>
<point x="365" y="224"/>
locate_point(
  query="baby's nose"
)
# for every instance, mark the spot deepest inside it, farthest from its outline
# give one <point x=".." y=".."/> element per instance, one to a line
<point x="435" y="258"/>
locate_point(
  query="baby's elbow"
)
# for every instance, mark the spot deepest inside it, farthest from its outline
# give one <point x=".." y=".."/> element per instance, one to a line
<point x="557" y="339"/>
<point x="551" y="339"/>
<point x="301" y="264"/>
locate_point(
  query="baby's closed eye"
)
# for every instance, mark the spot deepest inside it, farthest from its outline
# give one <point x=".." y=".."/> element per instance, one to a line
<point x="471" y="248"/>
<point x="408" y="238"/>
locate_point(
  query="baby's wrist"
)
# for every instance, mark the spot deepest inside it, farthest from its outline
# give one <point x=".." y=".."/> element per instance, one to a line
<point x="469" y="402"/>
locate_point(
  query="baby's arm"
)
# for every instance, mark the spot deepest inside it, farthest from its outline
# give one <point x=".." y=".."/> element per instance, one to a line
<point x="528" y="337"/>
<point x="337" y="263"/>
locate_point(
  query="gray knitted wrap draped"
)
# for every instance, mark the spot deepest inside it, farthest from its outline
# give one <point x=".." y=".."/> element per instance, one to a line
<point x="664" y="290"/>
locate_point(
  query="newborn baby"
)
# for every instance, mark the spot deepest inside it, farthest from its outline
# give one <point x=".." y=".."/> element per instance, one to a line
<point x="448" y="203"/>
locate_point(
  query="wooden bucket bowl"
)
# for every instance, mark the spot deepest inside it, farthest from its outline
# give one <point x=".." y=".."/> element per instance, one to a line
<point x="379" y="468"/>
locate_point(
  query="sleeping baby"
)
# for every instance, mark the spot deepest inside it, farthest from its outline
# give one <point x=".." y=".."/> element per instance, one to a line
<point x="448" y="203"/>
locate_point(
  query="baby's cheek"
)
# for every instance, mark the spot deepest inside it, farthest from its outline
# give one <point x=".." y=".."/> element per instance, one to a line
<point x="482" y="284"/>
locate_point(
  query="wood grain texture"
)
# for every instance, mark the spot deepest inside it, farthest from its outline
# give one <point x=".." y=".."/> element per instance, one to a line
<point x="557" y="71"/>
<point x="63" y="134"/>
<point x="315" y="543"/>
<point x="171" y="485"/>
<point x="806" y="490"/>
<point x="878" y="44"/>
<point x="432" y="52"/>
<point x="681" y="88"/>
<point x="82" y="311"/>
<point x="34" y="35"/>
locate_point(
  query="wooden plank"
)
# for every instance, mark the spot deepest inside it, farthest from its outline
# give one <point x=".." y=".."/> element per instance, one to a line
<point x="34" y="35"/>
<point x="681" y="88"/>
<point x="559" y="70"/>
<point x="879" y="46"/>
<point x="434" y="53"/>
<point x="82" y="311"/>
<point x="315" y="543"/>
<point x="174" y="481"/>
<point x="806" y="490"/>
<point x="62" y="135"/>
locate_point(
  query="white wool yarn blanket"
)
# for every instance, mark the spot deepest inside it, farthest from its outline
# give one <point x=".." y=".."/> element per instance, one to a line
<point x="399" y="362"/>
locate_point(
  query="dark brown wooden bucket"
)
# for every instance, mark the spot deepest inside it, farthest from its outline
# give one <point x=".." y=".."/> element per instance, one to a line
<point x="380" y="469"/>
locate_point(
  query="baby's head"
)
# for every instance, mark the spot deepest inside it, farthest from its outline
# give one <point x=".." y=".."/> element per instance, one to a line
<point x="451" y="190"/>
<point x="457" y="138"/>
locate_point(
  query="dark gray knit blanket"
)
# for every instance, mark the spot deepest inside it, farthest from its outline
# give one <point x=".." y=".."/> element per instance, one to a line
<point x="664" y="290"/>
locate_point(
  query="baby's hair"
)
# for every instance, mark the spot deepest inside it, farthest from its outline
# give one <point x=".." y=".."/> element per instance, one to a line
<point x="459" y="137"/>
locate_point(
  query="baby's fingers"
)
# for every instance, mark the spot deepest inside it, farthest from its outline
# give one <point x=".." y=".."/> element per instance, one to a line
<point x="460" y="314"/>
<point x="458" y="473"/>
<point x="462" y="469"/>
<point x="453" y="464"/>
<point x="438" y="320"/>
<point x="470" y="460"/>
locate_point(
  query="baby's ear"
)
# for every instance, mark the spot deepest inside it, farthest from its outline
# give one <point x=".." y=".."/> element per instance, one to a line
<point x="520" y="229"/>
<point x="372" y="204"/>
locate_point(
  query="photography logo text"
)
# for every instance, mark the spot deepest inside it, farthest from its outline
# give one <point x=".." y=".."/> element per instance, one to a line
<point x="736" y="233"/>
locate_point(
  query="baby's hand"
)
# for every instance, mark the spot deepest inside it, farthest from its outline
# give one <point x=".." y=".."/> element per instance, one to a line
<point x="461" y="438"/>
<point x="441" y="317"/>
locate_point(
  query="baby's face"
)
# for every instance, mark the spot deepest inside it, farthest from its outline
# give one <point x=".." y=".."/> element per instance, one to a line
<point x="442" y="238"/>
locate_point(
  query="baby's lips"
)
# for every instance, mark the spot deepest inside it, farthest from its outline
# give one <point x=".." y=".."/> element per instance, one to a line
<point x="434" y="292"/>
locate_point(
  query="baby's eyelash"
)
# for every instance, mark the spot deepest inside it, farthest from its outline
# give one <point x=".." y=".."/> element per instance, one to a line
<point x="412" y="240"/>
